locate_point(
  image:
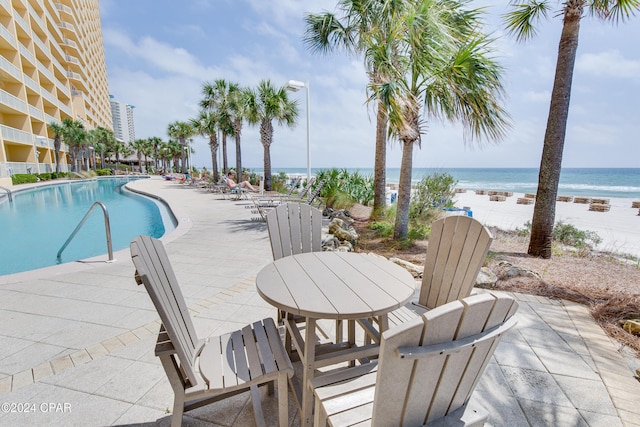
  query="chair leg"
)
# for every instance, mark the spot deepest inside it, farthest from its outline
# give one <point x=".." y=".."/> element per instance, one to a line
<point x="178" y="411"/>
<point x="257" y="406"/>
<point x="283" y="401"/>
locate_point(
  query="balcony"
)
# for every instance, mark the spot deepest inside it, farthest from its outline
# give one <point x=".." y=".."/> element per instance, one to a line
<point x="50" y="119"/>
<point x="44" y="70"/>
<point x="6" y="34"/>
<point x="72" y="59"/>
<point x="12" y="101"/>
<point x="69" y="43"/>
<point x="65" y="108"/>
<point x="26" y="53"/>
<point x="9" y="68"/>
<point x="42" y="46"/>
<point x="22" y="23"/>
<point x="36" y="112"/>
<point x="31" y="84"/>
<point x="66" y="26"/>
<point x="36" y="18"/>
<point x="6" y="4"/>
<point x="63" y="8"/>
<point x="15" y="135"/>
<point x="49" y="96"/>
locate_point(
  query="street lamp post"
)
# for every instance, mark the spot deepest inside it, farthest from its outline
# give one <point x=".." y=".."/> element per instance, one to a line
<point x="294" y="86"/>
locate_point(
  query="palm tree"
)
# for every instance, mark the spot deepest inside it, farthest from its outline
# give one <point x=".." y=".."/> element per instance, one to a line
<point x="181" y="131"/>
<point x="268" y="104"/>
<point x="138" y="146"/>
<point x="520" y="22"/>
<point x="206" y="124"/>
<point x="352" y="32"/>
<point x="155" y="143"/>
<point x="436" y="58"/>
<point x="217" y="99"/>
<point x="57" y="130"/>
<point x="239" y="107"/>
<point x="74" y="134"/>
<point x="102" y="139"/>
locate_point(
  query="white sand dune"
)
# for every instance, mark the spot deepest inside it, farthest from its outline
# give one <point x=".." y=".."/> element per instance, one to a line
<point x="619" y="228"/>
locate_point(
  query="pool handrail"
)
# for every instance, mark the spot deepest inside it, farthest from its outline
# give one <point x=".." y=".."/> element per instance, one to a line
<point x="107" y="228"/>
<point x="8" y="193"/>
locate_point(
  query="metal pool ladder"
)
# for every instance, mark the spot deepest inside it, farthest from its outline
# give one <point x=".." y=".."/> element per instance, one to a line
<point x="107" y="228"/>
<point x="8" y="193"/>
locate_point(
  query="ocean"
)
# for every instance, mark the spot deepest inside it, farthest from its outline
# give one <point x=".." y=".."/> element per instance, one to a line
<point x="588" y="182"/>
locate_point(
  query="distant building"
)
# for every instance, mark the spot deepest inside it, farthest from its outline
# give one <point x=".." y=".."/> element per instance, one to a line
<point x="52" y="66"/>
<point x="122" y="117"/>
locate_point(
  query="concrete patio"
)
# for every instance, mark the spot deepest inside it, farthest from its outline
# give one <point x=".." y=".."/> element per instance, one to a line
<point x="77" y="340"/>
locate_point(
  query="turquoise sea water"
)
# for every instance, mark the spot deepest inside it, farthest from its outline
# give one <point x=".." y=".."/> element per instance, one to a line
<point x="38" y="222"/>
<point x="592" y="182"/>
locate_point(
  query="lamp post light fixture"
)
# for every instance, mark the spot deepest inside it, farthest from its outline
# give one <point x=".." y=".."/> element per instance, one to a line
<point x="294" y="86"/>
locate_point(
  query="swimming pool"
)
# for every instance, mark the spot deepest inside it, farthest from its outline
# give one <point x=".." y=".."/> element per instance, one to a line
<point x="38" y="222"/>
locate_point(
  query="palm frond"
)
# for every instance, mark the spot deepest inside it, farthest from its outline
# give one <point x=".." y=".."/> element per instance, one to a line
<point x="520" y="21"/>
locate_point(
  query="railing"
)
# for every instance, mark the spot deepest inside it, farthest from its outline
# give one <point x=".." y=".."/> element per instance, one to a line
<point x="13" y="101"/>
<point x="4" y="32"/>
<point x="107" y="228"/>
<point x="9" y="67"/>
<point x="8" y="193"/>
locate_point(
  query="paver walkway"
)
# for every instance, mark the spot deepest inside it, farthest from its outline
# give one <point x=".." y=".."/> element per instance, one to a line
<point x="76" y="341"/>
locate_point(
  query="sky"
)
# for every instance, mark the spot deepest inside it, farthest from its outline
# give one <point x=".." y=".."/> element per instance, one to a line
<point x="159" y="53"/>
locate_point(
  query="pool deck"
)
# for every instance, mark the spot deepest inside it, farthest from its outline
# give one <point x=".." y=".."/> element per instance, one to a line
<point x="77" y="340"/>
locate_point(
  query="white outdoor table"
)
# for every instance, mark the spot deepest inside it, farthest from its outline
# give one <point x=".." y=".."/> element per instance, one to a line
<point x="332" y="285"/>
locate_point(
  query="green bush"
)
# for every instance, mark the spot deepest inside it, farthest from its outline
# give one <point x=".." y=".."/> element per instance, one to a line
<point x="430" y="195"/>
<point x="568" y="234"/>
<point x="279" y="182"/>
<point x="343" y="189"/>
<point x="23" y="178"/>
<point x="382" y="228"/>
<point x="103" y="172"/>
<point x="44" y="176"/>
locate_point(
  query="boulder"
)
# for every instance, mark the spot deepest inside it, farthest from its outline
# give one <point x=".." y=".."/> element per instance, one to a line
<point x="486" y="278"/>
<point x="342" y="231"/>
<point x="510" y="270"/>
<point x="415" y="270"/>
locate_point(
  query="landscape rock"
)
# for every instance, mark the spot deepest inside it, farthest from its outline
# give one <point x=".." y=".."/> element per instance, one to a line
<point x="632" y="326"/>
<point x="343" y="231"/>
<point x="415" y="270"/>
<point x="509" y="270"/>
<point x="486" y="278"/>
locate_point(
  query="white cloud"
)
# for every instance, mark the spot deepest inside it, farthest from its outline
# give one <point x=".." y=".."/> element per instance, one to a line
<point x="609" y="64"/>
<point x="543" y="96"/>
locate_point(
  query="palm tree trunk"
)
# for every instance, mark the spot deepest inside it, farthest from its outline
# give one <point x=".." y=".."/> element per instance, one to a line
<point x="238" y="158"/>
<point x="182" y="161"/>
<point x="213" y="145"/>
<point x="56" y="153"/>
<point x="380" y="166"/>
<point x="266" y="136"/>
<point x="225" y="163"/>
<point x="551" y="163"/>
<point x="401" y="228"/>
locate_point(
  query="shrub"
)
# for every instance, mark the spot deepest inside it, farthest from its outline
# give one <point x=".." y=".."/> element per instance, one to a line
<point x="23" y="178"/>
<point x="103" y="172"/>
<point x="431" y="194"/>
<point x="382" y="228"/>
<point x="568" y="234"/>
<point x="343" y="189"/>
<point x="44" y="176"/>
<point x="279" y="182"/>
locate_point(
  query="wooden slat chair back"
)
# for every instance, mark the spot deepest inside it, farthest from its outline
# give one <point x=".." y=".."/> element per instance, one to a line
<point x="294" y="228"/>
<point x="427" y="370"/>
<point x="457" y="248"/>
<point x="201" y="372"/>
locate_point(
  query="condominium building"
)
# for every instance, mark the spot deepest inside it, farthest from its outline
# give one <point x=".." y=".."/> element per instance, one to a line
<point x="52" y="66"/>
<point x="122" y="117"/>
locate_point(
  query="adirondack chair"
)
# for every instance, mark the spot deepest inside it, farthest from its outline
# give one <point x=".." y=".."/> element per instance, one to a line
<point x="294" y="228"/>
<point x="201" y="372"/>
<point x="457" y="248"/>
<point x="427" y="370"/>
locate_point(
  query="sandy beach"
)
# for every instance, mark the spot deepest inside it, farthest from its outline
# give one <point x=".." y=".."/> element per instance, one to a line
<point x="619" y="228"/>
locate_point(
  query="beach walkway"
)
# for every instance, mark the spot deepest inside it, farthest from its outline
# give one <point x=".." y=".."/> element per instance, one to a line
<point x="77" y="340"/>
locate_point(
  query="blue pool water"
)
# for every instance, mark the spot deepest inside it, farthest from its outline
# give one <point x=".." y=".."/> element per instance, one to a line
<point x="38" y="222"/>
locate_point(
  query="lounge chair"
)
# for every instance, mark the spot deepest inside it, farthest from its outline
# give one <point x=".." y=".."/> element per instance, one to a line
<point x="458" y="246"/>
<point x="263" y="207"/>
<point x="427" y="370"/>
<point x="201" y="372"/>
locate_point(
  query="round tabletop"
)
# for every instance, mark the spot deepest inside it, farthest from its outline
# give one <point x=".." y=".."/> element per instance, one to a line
<point x="335" y="285"/>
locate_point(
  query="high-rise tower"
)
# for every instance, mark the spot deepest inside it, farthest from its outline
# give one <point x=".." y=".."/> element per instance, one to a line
<point x="52" y="66"/>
